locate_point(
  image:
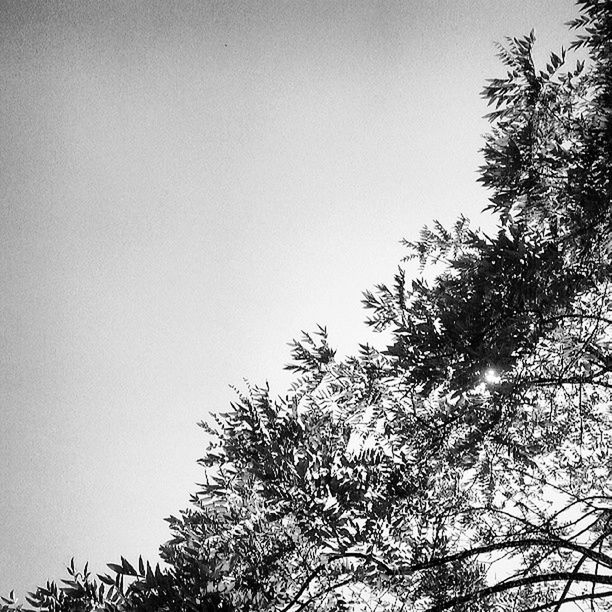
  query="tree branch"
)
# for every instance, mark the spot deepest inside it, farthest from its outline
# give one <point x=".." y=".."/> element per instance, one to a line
<point x="527" y="580"/>
<point x="589" y="596"/>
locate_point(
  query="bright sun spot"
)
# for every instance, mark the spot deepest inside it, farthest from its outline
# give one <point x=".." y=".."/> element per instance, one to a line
<point x="492" y="377"/>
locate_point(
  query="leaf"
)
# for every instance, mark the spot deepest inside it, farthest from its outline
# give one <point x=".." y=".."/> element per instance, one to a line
<point x="127" y="568"/>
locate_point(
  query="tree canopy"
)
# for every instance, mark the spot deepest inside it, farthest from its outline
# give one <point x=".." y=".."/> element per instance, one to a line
<point x="467" y="466"/>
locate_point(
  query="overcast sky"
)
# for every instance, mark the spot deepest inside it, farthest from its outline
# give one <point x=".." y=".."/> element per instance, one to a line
<point x="184" y="186"/>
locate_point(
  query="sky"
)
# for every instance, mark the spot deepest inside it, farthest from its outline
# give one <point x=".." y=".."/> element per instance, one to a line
<point x="184" y="186"/>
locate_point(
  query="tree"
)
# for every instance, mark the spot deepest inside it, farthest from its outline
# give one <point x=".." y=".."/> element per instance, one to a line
<point x="467" y="466"/>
